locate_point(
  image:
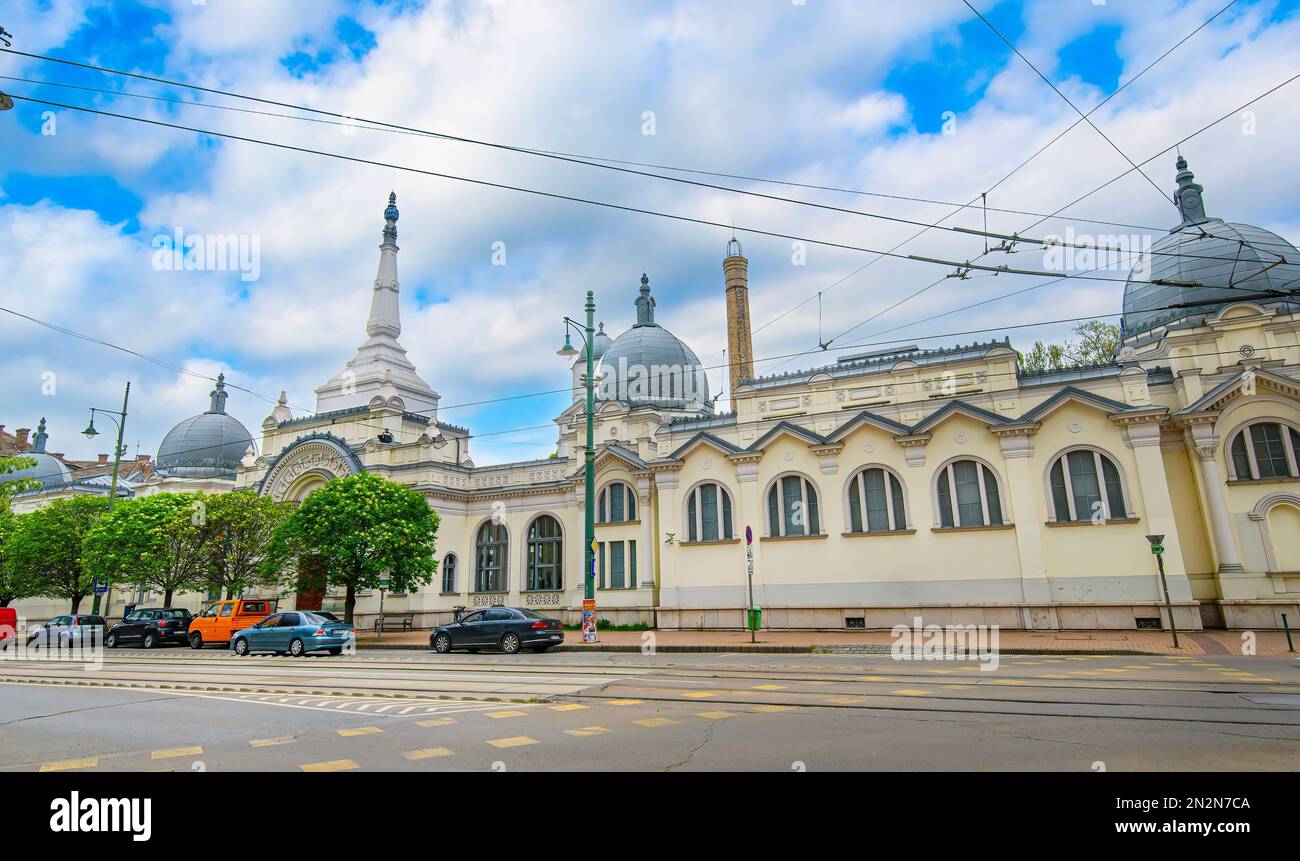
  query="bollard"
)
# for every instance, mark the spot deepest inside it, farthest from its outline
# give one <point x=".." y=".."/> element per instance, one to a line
<point x="1290" y="647"/>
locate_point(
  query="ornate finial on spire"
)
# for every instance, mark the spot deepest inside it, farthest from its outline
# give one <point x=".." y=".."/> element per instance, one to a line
<point x="38" y="442"/>
<point x="390" y="219"/>
<point x="734" y="248"/>
<point x="645" y="304"/>
<point x="219" y="395"/>
<point x="1188" y="196"/>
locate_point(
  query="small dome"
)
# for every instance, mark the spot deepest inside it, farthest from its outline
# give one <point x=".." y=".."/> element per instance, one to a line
<point x="602" y="342"/>
<point x="209" y="445"/>
<point x="1205" y="260"/>
<point x="51" y="472"/>
<point x="648" y="366"/>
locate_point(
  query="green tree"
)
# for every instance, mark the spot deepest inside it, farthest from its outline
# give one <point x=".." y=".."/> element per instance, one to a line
<point x="8" y="466"/>
<point x="16" y="581"/>
<point x="356" y="529"/>
<point x="1098" y="343"/>
<point x="240" y="526"/>
<point x="152" y="542"/>
<point x="47" y="544"/>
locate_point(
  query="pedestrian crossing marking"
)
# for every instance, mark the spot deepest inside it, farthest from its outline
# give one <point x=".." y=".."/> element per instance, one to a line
<point x="513" y="741"/>
<point x="68" y="764"/>
<point x="844" y="701"/>
<point x="436" y="722"/>
<point x="912" y="692"/>
<point x="568" y="707"/>
<point x="699" y="695"/>
<point x="361" y="730"/>
<point x="768" y="687"/>
<point x="715" y="715"/>
<point x="587" y="731"/>
<point x="625" y="702"/>
<point x="271" y="742"/>
<point x="773" y="708"/>
<point x="176" y="751"/>
<point x="426" y="753"/>
<point x="652" y="722"/>
<point x="331" y="765"/>
<point x="506" y="714"/>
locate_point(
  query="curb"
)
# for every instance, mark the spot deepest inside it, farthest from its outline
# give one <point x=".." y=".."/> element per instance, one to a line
<point x="784" y="650"/>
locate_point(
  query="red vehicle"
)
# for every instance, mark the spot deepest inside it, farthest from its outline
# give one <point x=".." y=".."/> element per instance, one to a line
<point x="8" y="626"/>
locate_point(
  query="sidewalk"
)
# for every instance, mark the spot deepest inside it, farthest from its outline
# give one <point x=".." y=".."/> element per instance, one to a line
<point x="1010" y="642"/>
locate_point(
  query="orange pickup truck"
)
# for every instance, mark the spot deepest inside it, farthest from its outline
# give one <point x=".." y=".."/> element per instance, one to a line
<point x="222" y="619"/>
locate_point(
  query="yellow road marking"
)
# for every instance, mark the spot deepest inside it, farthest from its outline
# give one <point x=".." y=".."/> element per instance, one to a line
<point x="586" y="731"/>
<point x="699" y="695"/>
<point x="771" y="708"/>
<point x="768" y="688"/>
<point x="176" y="751"/>
<point x="816" y="683"/>
<point x="507" y="714"/>
<point x="426" y="753"/>
<point x="1086" y="673"/>
<point x="331" y="765"/>
<point x="1008" y="682"/>
<point x="844" y="701"/>
<point x="513" y="741"/>
<point x="912" y="692"/>
<point x="875" y="679"/>
<point x="1054" y="676"/>
<point x="361" y="730"/>
<point x="568" y="707"/>
<point x="715" y="715"/>
<point x="271" y="742"/>
<point x="655" y="722"/>
<point x="67" y="764"/>
<point x="946" y="672"/>
<point x="436" y="722"/>
<point x="624" y="702"/>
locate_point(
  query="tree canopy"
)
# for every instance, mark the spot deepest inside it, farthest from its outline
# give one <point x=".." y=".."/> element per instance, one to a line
<point x="240" y="526"/>
<point x="152" y="542"/>
<point x="8" y="487"/>
<point x="1098" y="342"/>
<point x="47" y="547"/>
<point x="16" y="581"/>
<point x="354" y="530"/>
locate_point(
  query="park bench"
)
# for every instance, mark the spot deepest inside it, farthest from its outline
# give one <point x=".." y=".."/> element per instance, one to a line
<point x="396" y="622"/>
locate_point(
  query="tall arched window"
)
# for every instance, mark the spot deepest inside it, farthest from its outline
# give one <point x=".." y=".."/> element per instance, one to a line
<point x="490" y="553"/>
<point x="1265" y="450"/>
<point x="616" y="503"/>
<point x="708" y="514"/>
<point x="1086" y="483"/>
<point x="968" y="495"/>
<point x="545" y="554"/>
<point x="876" y="502"/>
<point x="792" y="507"/>
<point x="449" y="573"/>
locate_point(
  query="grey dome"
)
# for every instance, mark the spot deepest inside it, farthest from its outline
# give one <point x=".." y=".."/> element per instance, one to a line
<point x="209" y="445"/>
<point x="648" y="366"/>
<point x="1211" y="253"/>
<point x="51" y="472"/>
<point x="602" y="342"/>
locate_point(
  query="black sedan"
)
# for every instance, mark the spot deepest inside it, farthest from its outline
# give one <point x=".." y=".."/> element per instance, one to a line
<point x="151" y="626"/>
<point x="506" y="628"/>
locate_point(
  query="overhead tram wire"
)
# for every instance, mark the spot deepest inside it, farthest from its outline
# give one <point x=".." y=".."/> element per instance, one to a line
<point x="537" y="192"/>
<point x="1035" y="155"/>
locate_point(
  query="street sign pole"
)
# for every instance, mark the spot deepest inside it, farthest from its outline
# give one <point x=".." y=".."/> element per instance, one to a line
<point x="1158" y="550"/>
<point x="749" y="570"/>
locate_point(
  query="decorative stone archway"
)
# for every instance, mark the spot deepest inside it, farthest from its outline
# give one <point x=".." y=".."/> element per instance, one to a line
<point x="305" y="466"/>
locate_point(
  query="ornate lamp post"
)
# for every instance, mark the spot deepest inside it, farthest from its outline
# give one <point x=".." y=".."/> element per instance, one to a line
<point x="119" y="419"/>
<point x="588" y="335"/>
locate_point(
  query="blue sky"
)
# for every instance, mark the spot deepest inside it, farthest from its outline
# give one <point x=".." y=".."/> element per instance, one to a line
<point x="843" y="94"/>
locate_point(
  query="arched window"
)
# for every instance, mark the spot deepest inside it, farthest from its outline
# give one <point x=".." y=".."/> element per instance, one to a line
<point x="1086" y="483"/>
<point x="792" y="507"/>
<point x="1265" y="450"/>
<point x="490" y="552"/>
<point x="449" y="573"/>
<point x="708" y="514"/>
<point x="876" y="502"/>
<point x="545" y="554"/>
<point x="968" y="495"/>
<point x="616" y="503"/>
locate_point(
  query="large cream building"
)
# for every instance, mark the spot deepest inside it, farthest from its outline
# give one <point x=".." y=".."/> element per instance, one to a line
<point x="944" y="483"/>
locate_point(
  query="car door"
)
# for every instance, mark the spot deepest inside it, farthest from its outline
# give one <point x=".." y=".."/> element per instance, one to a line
<point x="50" y="631"/>
<point x="285" y="630"/>
<point x="468" y="632"/>
<point x="262" y="635"/>
<point x="496" y="623"/>
<point x="132" y="627"/>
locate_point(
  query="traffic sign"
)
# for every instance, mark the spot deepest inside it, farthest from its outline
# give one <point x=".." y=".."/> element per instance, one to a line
<point x="749" y="535"/>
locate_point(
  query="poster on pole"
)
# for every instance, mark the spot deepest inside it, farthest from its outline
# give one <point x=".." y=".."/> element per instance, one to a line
<point x="589" y="620"/>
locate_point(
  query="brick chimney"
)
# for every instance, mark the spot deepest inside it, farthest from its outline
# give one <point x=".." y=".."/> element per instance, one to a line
<point x="20" y="437"/>
<point x="103" y="459"/>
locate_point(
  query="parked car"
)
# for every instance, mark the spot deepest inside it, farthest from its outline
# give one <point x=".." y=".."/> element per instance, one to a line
<point x="506" y="628"/>
<point x="295" y="633"/>
<point x="66" y="630"/>
<point x="221" y="619"/>
<point x="8" y="626"/>
<point x="151" y="626"/>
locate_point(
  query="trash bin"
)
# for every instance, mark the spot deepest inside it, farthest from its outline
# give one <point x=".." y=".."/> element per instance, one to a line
<point x="754" y="622"/>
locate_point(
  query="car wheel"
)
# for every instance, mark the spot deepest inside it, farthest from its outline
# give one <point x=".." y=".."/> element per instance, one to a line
<point x="510" y="644"/>
<point x="149" y="641"/>
<point x="196" y="640"/>
<point x="296" y="648"/>
<point x="111" y="641"/>
<point x="442" y="644"/>
<point x="241" y="647"/>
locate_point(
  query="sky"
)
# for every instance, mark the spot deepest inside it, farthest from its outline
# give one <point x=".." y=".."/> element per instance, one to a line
<point x="918" y="99"/>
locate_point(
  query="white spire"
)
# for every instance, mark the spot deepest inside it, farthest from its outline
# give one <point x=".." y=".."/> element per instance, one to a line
<point x="385" y="318"/>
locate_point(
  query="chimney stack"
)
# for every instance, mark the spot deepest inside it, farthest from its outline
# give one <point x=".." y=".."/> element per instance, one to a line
<point x="740" y="345"/>
<point x="20" y="437"/>
<point x="103" y="459"/>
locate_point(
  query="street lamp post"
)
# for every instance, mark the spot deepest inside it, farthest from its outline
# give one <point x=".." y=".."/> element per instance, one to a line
<point x="1157" y="543"/>
<point x="119" y="419"/>
<point x="588" y="335"/>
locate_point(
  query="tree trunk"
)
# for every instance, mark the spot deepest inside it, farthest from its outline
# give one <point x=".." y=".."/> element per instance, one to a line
<point x="76" y="603"/>
<point x="350" y="604"/>
<point x="167" y="598"/>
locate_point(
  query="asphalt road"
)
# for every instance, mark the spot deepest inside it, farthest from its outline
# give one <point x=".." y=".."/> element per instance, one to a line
<point x="175" y="709"/>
